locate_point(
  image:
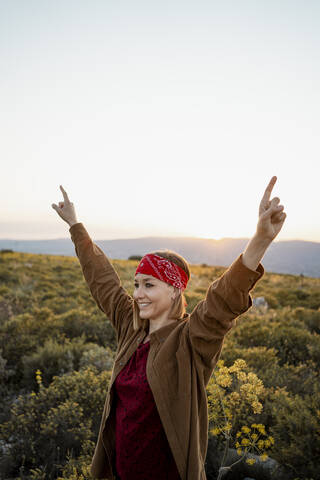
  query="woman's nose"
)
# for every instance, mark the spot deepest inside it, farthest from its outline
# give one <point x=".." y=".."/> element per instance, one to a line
<point x="137" y="293"/>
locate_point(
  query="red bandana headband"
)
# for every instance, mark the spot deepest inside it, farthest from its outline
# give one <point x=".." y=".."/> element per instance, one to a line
<point x="163" y="269"/>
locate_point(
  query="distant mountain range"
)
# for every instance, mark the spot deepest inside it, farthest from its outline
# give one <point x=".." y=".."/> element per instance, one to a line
<point x="291" y="257"/>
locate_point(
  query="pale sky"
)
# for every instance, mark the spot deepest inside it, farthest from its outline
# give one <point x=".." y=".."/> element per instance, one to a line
<point x="159" y="117"/>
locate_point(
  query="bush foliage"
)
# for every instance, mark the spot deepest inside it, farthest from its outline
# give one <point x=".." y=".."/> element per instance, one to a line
<point x="57" y="351"/>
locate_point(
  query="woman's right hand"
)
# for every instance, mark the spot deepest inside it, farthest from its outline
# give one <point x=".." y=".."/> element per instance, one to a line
<point x="66" y="209"/>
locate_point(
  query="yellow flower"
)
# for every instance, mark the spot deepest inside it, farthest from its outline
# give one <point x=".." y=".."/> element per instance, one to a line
<point x="228" y="427"/>
<point x="254" y="436"/>
<point x="261" y="444"/>
<point x="245" y="429"/>
<point x="261" y="428"/>
<point x="256" y="406"/>
<point x="215" y="431"/>
<point x="250" y="461"/>
<point x="263" y="457"/>
<point x="224" y="380"/>
<point x="238" y="365"/>
<point x="234" y="398"/>
<point x="237" y="444"/>
<point x="239" y="434"/>
<point x="271" y="440"/>
<point x="239" y="451"/>
<point x="245" y="442"/>
<point x="242" y="376"/>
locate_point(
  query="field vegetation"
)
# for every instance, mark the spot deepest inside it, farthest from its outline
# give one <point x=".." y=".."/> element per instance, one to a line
<point x="56" y="355"/>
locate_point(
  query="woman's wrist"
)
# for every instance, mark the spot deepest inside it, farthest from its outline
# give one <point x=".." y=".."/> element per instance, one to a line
<point x="73" y="222"/>
<point x="255" y="251"/>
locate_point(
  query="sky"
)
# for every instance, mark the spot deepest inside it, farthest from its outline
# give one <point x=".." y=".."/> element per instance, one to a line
<point x="159" y="118"/>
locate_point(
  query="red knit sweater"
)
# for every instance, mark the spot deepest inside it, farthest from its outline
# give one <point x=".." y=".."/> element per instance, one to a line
<point x="142" y="448"/>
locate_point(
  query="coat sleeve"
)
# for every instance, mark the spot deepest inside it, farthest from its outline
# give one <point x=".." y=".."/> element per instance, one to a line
<point x="102" y="279"/>
<point x="226" y="299"/>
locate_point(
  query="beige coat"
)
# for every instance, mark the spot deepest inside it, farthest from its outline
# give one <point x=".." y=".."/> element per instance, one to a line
<point x="181" y="358"/>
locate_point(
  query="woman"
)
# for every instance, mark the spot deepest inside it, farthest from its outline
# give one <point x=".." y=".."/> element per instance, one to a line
<point x="155" y="418"/>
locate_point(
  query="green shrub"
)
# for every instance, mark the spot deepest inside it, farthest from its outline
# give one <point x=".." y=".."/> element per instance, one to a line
<point x="44" y="428"/>
<point x="54" y="358"/>
<point x="310" y="317"/>
<point x="294" y="422"/>
<point x="293" y="343"/>
<point x="101" y="358"/>
<point x="95" y="327"/>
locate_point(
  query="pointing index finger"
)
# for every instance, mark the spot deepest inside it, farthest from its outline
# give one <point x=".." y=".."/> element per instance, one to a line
<point x="64" y="193"/>
<point x="269" y="188"/>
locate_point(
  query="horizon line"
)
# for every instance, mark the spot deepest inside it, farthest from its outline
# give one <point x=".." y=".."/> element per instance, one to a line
<point x="154" y="236"/>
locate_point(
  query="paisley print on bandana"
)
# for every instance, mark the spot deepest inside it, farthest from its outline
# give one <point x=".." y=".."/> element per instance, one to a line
<point x="163" y="269"/>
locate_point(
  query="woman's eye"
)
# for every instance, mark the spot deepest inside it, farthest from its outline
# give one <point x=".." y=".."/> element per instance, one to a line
<point x="149" y="285"/>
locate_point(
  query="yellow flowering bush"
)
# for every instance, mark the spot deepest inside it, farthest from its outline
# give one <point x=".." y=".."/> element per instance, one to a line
<point x="233" y="395"/>
<point x="232" y="392"/>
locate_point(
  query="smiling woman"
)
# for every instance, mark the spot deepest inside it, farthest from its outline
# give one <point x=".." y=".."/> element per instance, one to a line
<point x="155" y="420"/>
<point x="155" y="299"/>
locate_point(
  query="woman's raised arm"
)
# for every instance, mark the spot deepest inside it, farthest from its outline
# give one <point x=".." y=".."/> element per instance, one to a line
<point x="102" y="279"/>
<point x="229" y="295"/>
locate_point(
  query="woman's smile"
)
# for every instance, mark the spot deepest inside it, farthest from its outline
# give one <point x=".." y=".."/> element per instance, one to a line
<point x="146" y="288"/>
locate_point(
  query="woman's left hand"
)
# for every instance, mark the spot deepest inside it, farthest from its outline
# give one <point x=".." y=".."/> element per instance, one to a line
<point x="271" y="214"/>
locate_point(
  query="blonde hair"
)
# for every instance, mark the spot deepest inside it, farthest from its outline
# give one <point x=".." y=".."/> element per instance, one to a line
<point x="178" y="308"/>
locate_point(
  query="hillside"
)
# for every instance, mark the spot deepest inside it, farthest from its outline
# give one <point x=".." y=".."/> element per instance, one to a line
<point x="57" y="350"/>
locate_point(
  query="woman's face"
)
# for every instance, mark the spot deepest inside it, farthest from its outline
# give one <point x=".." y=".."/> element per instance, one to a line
<point x="153" y="296"/>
